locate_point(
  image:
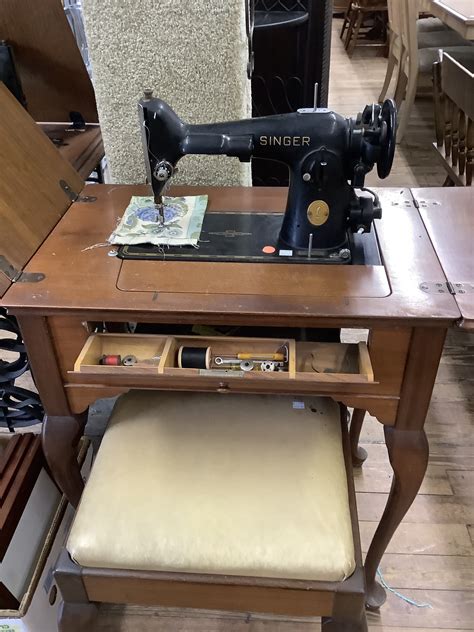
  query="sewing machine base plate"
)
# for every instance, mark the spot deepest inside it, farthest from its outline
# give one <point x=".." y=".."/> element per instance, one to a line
<point x="251" y="237"/>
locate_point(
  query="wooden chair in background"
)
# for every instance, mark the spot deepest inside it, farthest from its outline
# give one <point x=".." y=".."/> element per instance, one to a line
<point x="358" y="26"/>
<point x="454" y="117"/>
<point x="414" y="46"/>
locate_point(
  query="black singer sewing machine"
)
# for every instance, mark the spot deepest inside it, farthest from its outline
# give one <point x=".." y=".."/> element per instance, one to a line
<point x="328" y="157"/>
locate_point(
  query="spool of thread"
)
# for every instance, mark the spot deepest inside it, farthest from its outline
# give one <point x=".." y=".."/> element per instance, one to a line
<point x="111" y="360"/>
<point x="194" y="357"/>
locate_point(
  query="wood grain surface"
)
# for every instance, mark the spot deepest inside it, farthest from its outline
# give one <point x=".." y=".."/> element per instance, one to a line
<point x="54" y="78"/>
<point x="83" y="150"/>
<point x="449" y="219"/>
<point x="82" y="278"/>
<point x="32" y="201"/>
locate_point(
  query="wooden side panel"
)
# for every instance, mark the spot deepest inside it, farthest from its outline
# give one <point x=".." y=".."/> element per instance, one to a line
<point x="388" y="349"/>
<point x="52" y="72"/>
<point x="69" y="337"/>
<point x="31" y="198"/>
<point x="105" y="586"/>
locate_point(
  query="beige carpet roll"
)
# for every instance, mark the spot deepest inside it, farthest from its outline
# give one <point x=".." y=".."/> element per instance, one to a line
<point x="192" y="53"/>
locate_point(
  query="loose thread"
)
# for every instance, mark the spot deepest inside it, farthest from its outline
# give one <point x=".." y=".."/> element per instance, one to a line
<point x="397" y="594"/>
<point x="96" y="246"/>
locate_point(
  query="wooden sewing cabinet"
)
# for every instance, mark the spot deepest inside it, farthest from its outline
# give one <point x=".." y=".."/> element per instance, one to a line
<point x="64" y="286"/>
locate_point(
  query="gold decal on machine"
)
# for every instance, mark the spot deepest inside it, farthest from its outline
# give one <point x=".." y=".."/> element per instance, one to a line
<point x="318" y="212"/>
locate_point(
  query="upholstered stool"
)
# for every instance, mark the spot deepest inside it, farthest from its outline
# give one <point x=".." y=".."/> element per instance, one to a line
<point x="228" y="502"/>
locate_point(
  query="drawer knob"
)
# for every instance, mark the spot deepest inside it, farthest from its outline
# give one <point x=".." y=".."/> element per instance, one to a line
<point x="223" y="388"/>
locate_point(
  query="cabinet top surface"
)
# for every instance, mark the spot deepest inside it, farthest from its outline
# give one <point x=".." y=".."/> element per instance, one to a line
<point x="81" y="277"/>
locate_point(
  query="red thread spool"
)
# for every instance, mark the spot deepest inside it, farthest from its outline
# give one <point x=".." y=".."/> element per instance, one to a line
<point x="111" y="360"/>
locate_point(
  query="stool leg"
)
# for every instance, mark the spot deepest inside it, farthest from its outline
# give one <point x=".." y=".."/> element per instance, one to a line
<point x="60" y="438"/>
<point x="77" y="613"/>
<point x="358" y="454"/>
<point x="77" y="617"/>
<point x="348" y="613"/>
<point x="329" y="624"/>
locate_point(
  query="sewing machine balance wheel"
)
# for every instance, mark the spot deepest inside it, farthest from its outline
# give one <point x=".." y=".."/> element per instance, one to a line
<point x="388" y="114"/>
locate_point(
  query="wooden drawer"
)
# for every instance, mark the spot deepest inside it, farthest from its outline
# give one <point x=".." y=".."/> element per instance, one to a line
<point x="308" y="362"/>
<point x="142" y="346"/>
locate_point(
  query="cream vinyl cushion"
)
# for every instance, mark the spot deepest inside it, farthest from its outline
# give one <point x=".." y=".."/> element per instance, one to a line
<point x="230" y="484"/>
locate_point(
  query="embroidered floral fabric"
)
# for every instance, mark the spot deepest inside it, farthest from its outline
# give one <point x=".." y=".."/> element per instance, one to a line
<point x="140" y="223"/>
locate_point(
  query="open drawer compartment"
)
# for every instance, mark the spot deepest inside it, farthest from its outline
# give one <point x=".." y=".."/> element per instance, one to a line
<point x="146" y="348"/>
<point x="333" y="362"/>
<point x="226" y="348"/>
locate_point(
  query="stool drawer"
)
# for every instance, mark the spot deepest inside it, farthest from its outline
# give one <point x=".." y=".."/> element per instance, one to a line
<point x="198" y="361"/>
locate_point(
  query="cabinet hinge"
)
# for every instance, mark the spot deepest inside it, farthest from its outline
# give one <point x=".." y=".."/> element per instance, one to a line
<point x="73" y="196"/>
<point x="18" y="276"/>
<point x="447" y="287"/>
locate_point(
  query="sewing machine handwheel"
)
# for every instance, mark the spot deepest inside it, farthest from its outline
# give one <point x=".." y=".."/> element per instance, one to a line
<point x="387" y="148"/>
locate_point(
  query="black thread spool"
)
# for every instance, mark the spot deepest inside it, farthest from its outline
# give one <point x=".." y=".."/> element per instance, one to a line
<point x="194" y="357"/>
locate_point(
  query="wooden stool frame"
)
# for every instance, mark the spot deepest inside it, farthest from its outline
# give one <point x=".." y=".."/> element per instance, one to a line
<point x="341" y="604"/>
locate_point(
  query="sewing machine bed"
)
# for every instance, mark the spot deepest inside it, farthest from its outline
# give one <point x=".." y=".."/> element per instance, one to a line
<point x="248" y="237"/>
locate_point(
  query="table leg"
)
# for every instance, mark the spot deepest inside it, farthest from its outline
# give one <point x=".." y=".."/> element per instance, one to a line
<point x="60" y="437"/>
<point x="61" y="429"/>
<point x="358" y="454"/>
<point x="408" y="453"/>
<point x="407" y="448"/>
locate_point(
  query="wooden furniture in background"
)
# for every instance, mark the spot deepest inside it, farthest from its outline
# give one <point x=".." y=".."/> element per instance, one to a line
<point x="53" y="75"/>
<point x="21" y="460"/>
<point x="454" y="118"/>
<point x="363" y="18"/>
<point x="458" y="14"/>
<point x="83" y="150"/>
<point x="31" y="194"/>
<point x="413" y="50"/>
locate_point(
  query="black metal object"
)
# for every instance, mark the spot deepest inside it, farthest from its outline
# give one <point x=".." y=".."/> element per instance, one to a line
<point x="18" y="406"/>
<point x="8" y="72"/>
<point x="326" y="154"/>
<point x="291" y="52"/>
<point x="250" y="237"/>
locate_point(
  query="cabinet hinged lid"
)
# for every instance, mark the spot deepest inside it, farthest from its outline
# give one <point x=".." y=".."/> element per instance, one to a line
<point x="37" y="186"/>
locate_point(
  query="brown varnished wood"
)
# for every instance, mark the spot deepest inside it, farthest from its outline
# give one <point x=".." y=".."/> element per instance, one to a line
<point x="449" y="219"/>
<point x="60" y="438"/>
<point x="91" y="279"/>
<point x="28" y="212"/>
<point x="140" y="588"/>
<point x="408" y="453"/>
<point x="83" y="150"/>
<point x="407" y="448"/>
<point x="22" y="461"/>
<point x="231" y="279"/>
<point x="41" y="354"/>
<point x="388" y="350"/>
<point x="53" y="75"/>
<point x="358" y="453"/>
